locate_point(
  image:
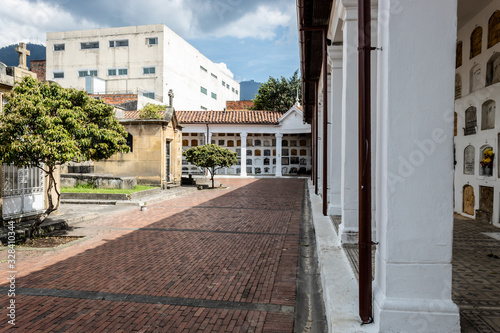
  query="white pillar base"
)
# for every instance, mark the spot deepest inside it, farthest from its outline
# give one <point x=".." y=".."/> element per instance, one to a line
<point x="414" y="316"/>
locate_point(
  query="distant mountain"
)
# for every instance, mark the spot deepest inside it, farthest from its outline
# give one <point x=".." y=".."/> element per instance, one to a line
<point x="10" y="57"/>
<point x="248" y="90"/>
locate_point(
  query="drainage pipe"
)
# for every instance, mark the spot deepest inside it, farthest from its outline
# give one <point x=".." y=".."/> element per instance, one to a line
<point x="365" y="186"/>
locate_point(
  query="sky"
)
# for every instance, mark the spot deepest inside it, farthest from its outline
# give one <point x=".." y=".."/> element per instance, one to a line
<point x="256" y="39"/>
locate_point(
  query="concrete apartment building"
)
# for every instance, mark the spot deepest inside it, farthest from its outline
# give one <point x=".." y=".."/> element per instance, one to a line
<point x="148" y="60"/>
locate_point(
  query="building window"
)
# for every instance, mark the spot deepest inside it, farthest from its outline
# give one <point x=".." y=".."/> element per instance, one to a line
<point x="214" y="95"/>
<point x="232" y="89"/>
<point x="149" y="94"/>
<point x="213" y="75"/>
<point x="119" y="71"/>
<point x="236" y="92"/>
<point x="59" y="47"/>
<point x="118" y="43"/>
<point x="227" y="85"/>
<point x="89" y="45"/>
<point x="58" y="74"/>
<point x="223" y="83"/>
<point x="203" y="90"/>
<point x="130" y="142"/>
<point x="203" y="108"/>
<point x="152" y="40"/>
<point x="87" y="72"/>
<point x="203" y="68"/>
<point x="148" y="70"/>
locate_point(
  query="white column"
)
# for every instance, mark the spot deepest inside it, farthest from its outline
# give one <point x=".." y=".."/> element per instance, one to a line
<point x="243" y="138"/>
<point x="279" y="138"/>
<point x="209" y="136"/>
<point x="335" y="134"/>
<point x="412" y="285"/>
<point x="348" y="229"/>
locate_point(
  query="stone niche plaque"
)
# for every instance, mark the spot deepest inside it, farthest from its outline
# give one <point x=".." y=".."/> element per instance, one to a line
<point x="469" y="160"/>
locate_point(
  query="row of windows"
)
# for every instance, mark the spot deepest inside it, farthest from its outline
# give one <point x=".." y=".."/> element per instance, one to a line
<point x="112" y="43"/>
<point x="224" y="84"/>
<point x="205" y="92"/>
<point x="59" y="74"/>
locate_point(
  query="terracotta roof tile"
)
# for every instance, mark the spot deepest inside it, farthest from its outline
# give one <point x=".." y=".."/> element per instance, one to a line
<point x="229" y="117"/>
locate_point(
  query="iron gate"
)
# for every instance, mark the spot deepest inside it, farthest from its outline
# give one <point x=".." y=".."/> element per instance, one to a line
<point x="167" y="164"/>
<point x="22" y="191"/>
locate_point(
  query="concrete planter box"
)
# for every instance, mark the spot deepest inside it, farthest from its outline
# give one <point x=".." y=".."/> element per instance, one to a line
<point x="98" y="180"/>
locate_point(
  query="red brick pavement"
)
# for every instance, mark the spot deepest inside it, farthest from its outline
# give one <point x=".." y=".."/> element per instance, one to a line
<point x="230" y="247"/>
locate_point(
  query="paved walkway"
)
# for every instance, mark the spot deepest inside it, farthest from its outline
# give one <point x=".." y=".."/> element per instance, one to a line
<point x="213" y="261"/>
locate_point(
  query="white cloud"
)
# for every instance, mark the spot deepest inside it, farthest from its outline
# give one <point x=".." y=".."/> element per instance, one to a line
<point x="260" y="24"/>
<point x="24" y="21"/>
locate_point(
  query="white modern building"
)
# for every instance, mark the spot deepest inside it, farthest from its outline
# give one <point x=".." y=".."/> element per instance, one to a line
<point x="149" y="60"/>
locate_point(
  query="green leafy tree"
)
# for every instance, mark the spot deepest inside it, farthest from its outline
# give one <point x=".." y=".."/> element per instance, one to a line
<point x="152" y="111"/>
<point x="212" y="157"/>
<point x="278" y="94"/>
<point x="44" y="125"/>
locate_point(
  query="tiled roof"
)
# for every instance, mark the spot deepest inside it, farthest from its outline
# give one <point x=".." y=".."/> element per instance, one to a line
<point x="229" y="117"/>
<point x="238" y="105"/>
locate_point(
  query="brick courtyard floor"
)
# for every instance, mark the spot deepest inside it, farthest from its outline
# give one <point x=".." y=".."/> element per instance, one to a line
<point x="214" y="261"/>
<point x="476" y="275"/>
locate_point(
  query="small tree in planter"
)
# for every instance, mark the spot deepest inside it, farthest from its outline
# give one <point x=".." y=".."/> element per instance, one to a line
<point x="44" y="125"/>
<point x="212" y="157"/>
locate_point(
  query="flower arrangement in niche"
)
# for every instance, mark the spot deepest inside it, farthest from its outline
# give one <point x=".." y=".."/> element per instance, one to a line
<point x="488" y="156"/>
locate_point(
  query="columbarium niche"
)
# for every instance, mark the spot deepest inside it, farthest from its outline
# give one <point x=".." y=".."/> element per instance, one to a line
<point x="469" y="160"/>
<point x="488" y="115"/>
<point x="493" y="69"/>
<point x="470" y="121"/>
<point x="469" y="200"/>
<point x="485" y="211"/>
<point x="486" y="164"/>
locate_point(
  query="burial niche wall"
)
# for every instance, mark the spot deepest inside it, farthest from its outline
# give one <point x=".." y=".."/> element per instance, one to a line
<point x="468" y="199"/>
<point x="469" y="160"/>
<point x="470" y="121"/>
<point x="488" y="115"/>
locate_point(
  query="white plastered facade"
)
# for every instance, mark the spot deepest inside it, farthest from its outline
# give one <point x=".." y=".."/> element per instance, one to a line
<point x="154" y="60"/>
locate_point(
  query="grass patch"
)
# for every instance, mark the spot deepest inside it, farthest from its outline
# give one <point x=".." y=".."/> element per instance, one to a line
<point x="90" y="189"/>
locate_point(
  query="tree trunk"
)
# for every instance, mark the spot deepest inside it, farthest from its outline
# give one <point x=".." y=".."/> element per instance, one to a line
<point x="35" y="226"/>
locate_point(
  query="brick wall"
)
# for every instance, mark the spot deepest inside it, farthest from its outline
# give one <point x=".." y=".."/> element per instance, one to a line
<point x="39" y="67"/>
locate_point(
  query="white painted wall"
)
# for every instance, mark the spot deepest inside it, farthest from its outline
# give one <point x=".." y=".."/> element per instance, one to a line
<point x="178" y="65"/>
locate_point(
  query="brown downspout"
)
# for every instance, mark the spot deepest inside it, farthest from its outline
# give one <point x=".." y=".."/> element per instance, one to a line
<point x="365" y="182"/>
<point x="325" y="125"/>
<point x="316" y="188"/>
